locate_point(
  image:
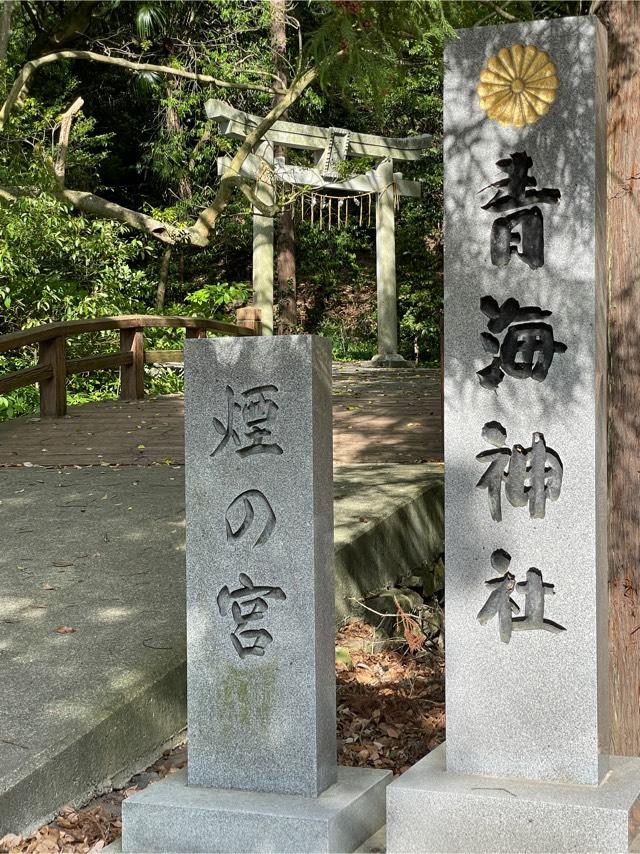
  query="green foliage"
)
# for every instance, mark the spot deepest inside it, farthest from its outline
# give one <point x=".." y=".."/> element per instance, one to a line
<point x="150" y="18"/>
<point x="18" y="402"/>
<point x="361" y="43"/>
<point x="56" y="266"/>
<point x="209" y="300"/>
<point x="336" y="286"/>
<point x="144" y="141"/>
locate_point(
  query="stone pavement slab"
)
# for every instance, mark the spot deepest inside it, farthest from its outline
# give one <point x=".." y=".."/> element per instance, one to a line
<point x="101" y="551"/>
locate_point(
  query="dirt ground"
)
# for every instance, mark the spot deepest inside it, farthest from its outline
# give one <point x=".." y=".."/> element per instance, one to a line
<point x="390" y="713"/>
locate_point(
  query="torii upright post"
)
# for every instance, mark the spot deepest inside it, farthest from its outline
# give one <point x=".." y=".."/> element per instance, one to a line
<point x="262" y="267"/>
<point x="387" y="356"/>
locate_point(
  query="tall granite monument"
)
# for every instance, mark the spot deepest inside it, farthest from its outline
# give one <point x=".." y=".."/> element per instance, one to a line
<point x="262" y="773"/>
<point x="524" y="767"/>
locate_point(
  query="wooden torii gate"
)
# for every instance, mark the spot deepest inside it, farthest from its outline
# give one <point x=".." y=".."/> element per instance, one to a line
<point x="330" y="146"/>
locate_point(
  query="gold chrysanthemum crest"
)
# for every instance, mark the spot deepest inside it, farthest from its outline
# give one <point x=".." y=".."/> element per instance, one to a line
<point x="518" y="85"/>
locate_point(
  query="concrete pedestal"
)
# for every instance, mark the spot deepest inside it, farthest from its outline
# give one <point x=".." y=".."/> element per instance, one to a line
<point x="432" y="809"/>
<point x="171" y="816"/>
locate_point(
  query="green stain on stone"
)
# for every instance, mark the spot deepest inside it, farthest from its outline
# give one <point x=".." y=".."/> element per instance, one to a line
<point x="245" y="699"/>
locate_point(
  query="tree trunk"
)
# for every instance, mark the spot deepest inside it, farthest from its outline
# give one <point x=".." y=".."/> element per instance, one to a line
<point x="172" y="123"/>
<point x="622" y="19"/>
<point x="185" y="191"/>
<point x="5" y="28"/>
<point x="286" y="287"/>
<point x="164" y="278"/>
<point x="69" y="30"/>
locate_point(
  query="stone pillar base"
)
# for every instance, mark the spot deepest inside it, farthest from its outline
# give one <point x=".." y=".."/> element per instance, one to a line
<point x="389" y="360"/>
<point x="171" y="816"/>
<point x="431" y="809"/>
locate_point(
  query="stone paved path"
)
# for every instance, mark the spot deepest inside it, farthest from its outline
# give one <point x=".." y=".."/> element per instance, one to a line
<point x="379" y="416"/>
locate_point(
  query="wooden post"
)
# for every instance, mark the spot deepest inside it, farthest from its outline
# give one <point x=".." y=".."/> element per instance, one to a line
<point x="193" y="332"/>
<point x="132" y="374"/>
<point x="622" y="20"/>
<point x="250" y="317"/>
<point x="386" y="264"/>
<point x="53" y="392"/>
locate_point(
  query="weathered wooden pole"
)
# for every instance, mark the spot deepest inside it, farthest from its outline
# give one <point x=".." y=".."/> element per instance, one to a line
<point x="622" y="19"/>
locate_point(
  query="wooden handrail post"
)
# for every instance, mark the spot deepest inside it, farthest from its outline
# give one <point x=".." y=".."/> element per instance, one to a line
<point x="53" y="391"/>
<point x="250" y="318"/>
<point x="132" y="375"/>
<point x="194" y="332"/>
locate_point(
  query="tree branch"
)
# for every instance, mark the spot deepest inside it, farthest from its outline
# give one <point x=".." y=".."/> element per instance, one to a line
<point x="254" y="201"/>
<point x="75" y="20"/>
<point x="28" y="70"/>
<point x="96" y="206"/>
<point x="198" y="235"/>
<point x="66" y="120"/>
<point x="9" y="194"/>
<point x="499" y="10"/>
<point x="104" y="209"/>
<point x="207" y="219"/>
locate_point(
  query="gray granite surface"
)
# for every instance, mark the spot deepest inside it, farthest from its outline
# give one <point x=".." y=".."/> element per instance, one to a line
<point x="430" y="809"/>
<point x="171" y="816"/>
<point x="534" y="707"/>
<point x="260" y="668"/>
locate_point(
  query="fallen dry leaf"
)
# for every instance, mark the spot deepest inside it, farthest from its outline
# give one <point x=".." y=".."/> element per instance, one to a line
<point x="65" y="630"/>
<point x="390" y="705"/>
<point x="391" y="731"/>
<point x="10" y="841"/>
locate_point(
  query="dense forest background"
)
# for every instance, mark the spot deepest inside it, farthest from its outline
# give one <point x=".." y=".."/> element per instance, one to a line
<point x="141" y="140"/>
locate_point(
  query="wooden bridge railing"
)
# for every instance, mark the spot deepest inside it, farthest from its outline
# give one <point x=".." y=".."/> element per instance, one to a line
<point x="53" y="367"/>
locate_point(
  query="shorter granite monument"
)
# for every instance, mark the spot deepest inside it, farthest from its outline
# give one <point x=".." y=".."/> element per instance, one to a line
<point x="525" y="765"/>
<point x="262" y="772"/>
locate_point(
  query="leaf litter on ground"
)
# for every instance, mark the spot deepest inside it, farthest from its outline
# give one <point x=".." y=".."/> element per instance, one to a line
<point x="390" y="702"/>
<point x="390" y="713"/>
